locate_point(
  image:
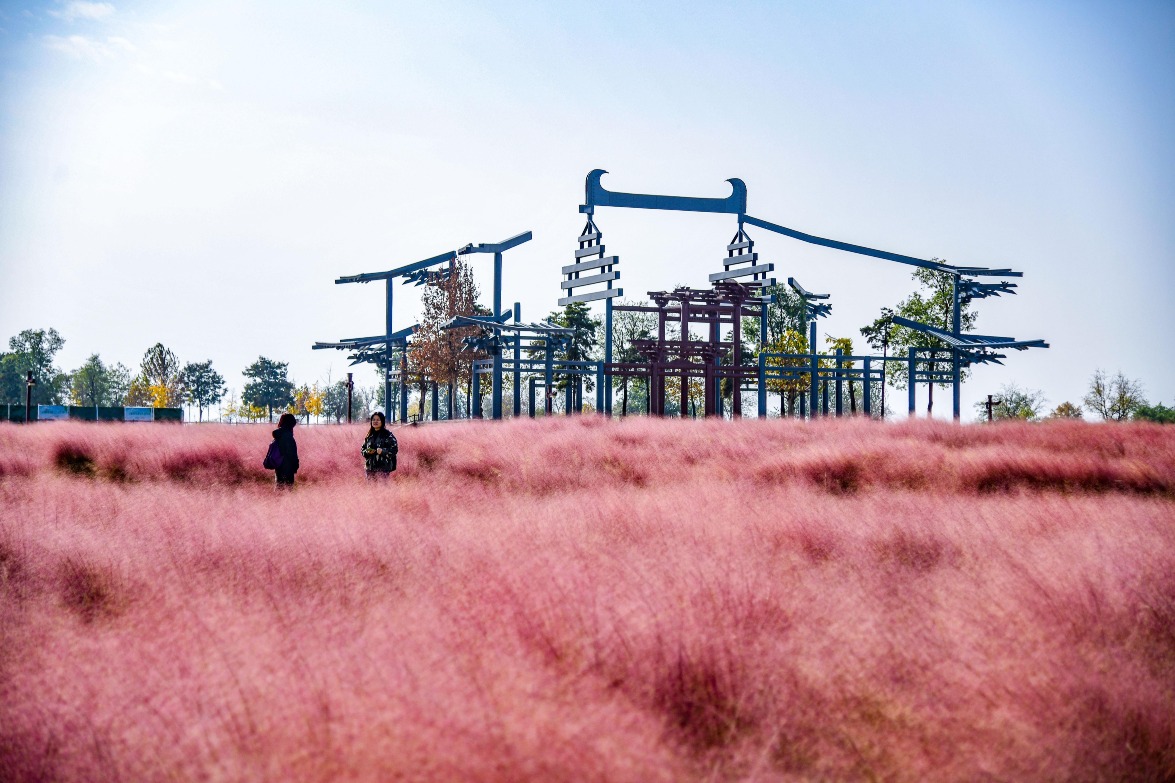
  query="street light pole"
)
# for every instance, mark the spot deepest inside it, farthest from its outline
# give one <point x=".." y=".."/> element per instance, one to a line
<point x="29" y="382"/>
<point x="350" y="392"/>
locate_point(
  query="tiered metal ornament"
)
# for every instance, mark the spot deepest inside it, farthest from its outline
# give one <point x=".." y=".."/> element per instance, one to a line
<point x="600" y="269"/>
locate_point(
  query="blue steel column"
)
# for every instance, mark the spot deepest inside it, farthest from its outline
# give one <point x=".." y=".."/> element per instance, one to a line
<point x="518" y="363"/>
<point x="435" y="402"/>
<point x="762" y="348"/>
<point x="547" y="399"/>
<point x="608" y="356"/>
<point x="839" y="383"/>
<point x="531" y="385"/>
<point x="388" y="409"/>
<point x="956" y="327"/>
<point x="814" y="402"/>
<point x="476" y="395"/>
<point x="867" y="385"/>
<point x="910" y="384"/>
<point x="762" y="385"/>
<point x="600" y="399"/>
<point x="496" y="388"/>
<point x="403" y="385"/>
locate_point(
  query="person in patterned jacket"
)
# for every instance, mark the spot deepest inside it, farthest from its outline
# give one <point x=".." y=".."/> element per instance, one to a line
<point x="379" y="449"/>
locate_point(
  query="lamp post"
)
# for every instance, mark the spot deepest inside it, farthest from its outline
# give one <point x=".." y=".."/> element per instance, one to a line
<point x="29" y="383"/>
<point x="350" y="393"/>
<point x="991" y="403"/>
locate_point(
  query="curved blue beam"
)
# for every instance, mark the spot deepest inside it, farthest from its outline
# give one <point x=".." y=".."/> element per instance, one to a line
<point x="596" y="195"/>
<point x="864" y="251"/>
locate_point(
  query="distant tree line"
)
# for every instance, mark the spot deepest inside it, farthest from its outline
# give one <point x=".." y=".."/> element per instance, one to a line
<point x="163" y="381"/>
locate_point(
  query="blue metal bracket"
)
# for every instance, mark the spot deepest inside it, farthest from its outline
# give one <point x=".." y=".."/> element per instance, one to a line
<point x="596" y="195"/>
<point x="814" y="307"/>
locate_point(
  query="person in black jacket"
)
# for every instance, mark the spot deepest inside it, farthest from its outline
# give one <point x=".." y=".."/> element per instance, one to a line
<point x="379" y="449"/>
<point x="284" y="437"/>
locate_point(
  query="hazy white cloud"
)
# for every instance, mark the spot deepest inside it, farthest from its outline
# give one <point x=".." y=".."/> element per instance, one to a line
<point x="79" y="9"/>
<point x="180" y="77"/>
<point x="83" y="48"/>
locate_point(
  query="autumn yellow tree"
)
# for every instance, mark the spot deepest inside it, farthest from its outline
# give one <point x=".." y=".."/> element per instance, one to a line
<point x="316" y="402"/>
<point x="158" y="383"/>
<point x="435" y="352"/>
<point x="845" y="344"/>
<point x="789" y="389"/>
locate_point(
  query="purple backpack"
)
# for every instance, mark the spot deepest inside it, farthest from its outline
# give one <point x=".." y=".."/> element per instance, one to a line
<point x="273" y="457"/>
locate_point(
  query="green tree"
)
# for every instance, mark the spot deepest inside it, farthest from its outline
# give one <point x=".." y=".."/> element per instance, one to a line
<point x="1015" y="403"/>
<point x="1113" y="399"/>
<point x="158" y="382"/>
<point x="785" y="314"/>
<point x="845" y="344"/>
<point x="628" y="326"/>
<point x="202" y="386"/>
<point x="789" y="390"/>
<point x="1066" y="410"/>
<point x="581" y="346"/>
<point x="1158" y="413"/>
<point x="269" y="386"/>
<point x="33" y="350"/>
<point x="334" y="401"/>
<point x="932" y="304"/>
<point x="95" y="383"/>
<point x="880" y="335"/>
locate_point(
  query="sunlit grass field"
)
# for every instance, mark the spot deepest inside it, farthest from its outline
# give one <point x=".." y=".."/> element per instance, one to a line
<point x="574" y="599"/>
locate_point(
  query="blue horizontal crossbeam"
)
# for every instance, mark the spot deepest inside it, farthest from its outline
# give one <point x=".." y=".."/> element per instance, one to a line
<point x="363" y="342"/>
<point x="398" y="271"/>
<point x="596" y="195"/>
<point x="966" y="342"/>
<point x="868" y="251"/>
<point x="497" y="247"/>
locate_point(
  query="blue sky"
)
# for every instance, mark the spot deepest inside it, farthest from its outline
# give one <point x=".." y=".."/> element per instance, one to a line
<point x="173" y="171"/>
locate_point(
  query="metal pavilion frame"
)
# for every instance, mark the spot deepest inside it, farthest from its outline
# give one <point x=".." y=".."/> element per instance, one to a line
<point x="430" y="270"/>
<point x="497" y="335"/>
<point x="742" y="261"/>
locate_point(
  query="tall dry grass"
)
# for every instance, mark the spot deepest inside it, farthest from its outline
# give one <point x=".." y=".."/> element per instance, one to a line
<point x="581" y="600"/>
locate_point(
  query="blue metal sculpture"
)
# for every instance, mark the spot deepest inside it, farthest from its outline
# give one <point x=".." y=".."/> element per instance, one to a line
<point x="497" y="248"/>
<point x="597" y="196"/>
<point x="742" y="261"/>
<point x="412" y="273"/>
<point x="493" y="339"/>
<point x="814" y="307"/>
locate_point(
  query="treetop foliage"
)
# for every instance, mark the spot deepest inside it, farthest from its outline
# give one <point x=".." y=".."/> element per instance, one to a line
<point x="1113" y="398"/>
<point x="270" y="385"/>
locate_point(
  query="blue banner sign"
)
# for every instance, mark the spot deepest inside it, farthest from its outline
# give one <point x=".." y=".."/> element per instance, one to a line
<point x="52" y="412"/>
<point x="138" y="414"/>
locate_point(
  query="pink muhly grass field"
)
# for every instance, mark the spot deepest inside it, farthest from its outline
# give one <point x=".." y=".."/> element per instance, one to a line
<point x="573" y="599"/>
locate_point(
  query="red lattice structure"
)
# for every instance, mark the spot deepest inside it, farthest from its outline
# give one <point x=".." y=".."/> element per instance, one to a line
<point x="682" y="358"/>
